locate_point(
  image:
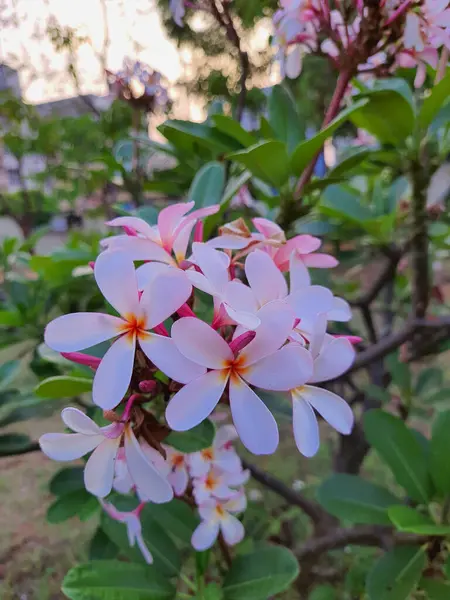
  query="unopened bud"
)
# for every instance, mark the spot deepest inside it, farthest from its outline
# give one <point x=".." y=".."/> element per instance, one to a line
<point x="148" y="386"/>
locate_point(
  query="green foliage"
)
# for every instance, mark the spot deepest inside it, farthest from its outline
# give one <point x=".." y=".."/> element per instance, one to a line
<point x="195" y="439"/>
<point x="439" y="449"/>
<point x="77" y="503"/>
<point x="396" y="574"/>
<point x="208" y="185"/>
<point x="63" y="386"/>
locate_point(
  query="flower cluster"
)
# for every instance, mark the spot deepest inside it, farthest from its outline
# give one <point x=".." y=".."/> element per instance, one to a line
<point x="410" y="34"/>
<point x="193" y="329"/>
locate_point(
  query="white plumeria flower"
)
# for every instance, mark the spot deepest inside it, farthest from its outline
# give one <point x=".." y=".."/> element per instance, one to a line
<point x="178" y="475"/>
<point x="116" y="278"/>
<point x="221" y="454"/>
<point x="332" y="358"/>
<point x="217" y="517"/>
<point x="134" y="528"/>
<point x="105" y="442"/>
<point x="263" y="363"/>
<point x="219" y="484"/>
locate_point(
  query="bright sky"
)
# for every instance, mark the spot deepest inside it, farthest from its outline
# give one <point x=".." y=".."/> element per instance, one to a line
<point x="129" y="22"/>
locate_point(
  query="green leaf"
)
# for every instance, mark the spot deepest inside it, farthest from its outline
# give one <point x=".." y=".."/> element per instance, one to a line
<point x="195" y="439"/>
<point x="439" y="453"/>
<point x="165" y="554"/>
<point x="101" y="546"/>
<point x="69" y="479"/>
<point x="188" y="137"/>
<point x="52" y="356"/>
<point x="267" y="161"/>
<point x="408" y="519"/>
<point x="208" y="184"/>
<point x="233" y="129"/>
<point x="10" y="318"/>
<point x="8" y="372"/>
<point x="176" y="518"/>
<point x="349" y="163"/>
<point x="63" y="386"/>
<point x="435" y="590"/>
<point x="434" y="102"/>
<point x="401" y="451"/>
<point x="148" y="213"/>
<point x="353" y="499"/>
<point x="400" y="373"/>
<point x="396" y="574"/>
<point x="305" y="151"/>
<point x="263" y="573"/>
<point x="14" y="443"/>
<point x="340" y="203"/>
<point x="284" y="117"/>
<point x="440" y="397"/>
<point x="429" y="380"/>
<point x="78" y="503"/>
<point x="114" y="580"/>
<point x="389" y="115"/>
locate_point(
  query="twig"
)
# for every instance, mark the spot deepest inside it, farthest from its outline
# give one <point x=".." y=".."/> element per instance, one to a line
<point x="419" y="244"/>
<point x="225" y="551"/>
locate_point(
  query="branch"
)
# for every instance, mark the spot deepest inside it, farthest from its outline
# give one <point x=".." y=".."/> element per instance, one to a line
<point x="419" y="244"/>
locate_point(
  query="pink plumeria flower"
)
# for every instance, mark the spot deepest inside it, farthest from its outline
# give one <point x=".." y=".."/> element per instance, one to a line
<point x="220" y="455"/>
<point x="263" y="363"/>
<point x="116" y="278"/>
<point x="218" y="484"/>
<point x="218" y="517"/>
<point x="332" y="358"/>
<point x="178" y="475"/>
<point x="409" y="59"/>
<point x="134" y="528"/>
<point x="105" y="442"/>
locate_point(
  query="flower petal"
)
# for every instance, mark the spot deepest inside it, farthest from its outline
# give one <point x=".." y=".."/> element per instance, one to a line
<point x="79" y="331"/>
<point x="240" y="297"/>
<point x="205" y="535"/>
<point x="116" y="278"/>
<point x="201" y="282"/>
<point x="331" y="407"/>
<point x="181" y="241"/>
<point x="224" y="435"/>
<point x="304" y="244"/>
<point x="150" y="485"/>
<point x="76" y="420"/>
<point x="113" y="374"/>
<point x="341" y="310"/>
<point x="248" y="320"/>
<point x="334" y="359"/>
<point x="306" y="428"/>
<point x="135" y="223"/>
<point x="164" y="295"/>
<point x="164" y="354"/>
<point x="169" y="218"/>
<point x="143" y="548"/>
<point x="147" y="272"/>
<point x="137" y="248"/>
<point x="229" y="242"/>
<point x="212" y="264"/>
<point x="299" y="274"/>
<point x="264" y="277"/>
<point x="254" y="422"/>
<point x="196" y="401"/>
<point x="99" y="469"/>
<point x="200" y="343"/>
<point x="232" y="529"/>
<point x="179" y="480"/>
<point x="285" y="369"/>
<point x="320" y="261"/>
<point x="68" y="446"/>
<point x="310" y="302"/>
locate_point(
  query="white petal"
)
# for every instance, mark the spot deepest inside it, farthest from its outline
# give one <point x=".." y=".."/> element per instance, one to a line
<point x="199" y="342"/>
<point x="212" y="264"/>
<point x="331" y="407"/>
<point x="113" y="374"/>
<point x="196" y="401"/>
<point x="254" y="422"/>
<point x="310" y="302"/>
<point x="150" y="485"/>
<point x="264" y="277"/>
<point x="164" y="296"/>
<point x="319" y="328"/>
<point x="228" y="461"/>
<point x="180" y="244"/>
<point x="201" y="282"/>
<point x="76" y="420"/>
<point x="135" y="223"/>
<point x="232" y="529"/>
<point x="299" y="274"/>
<point x="341" y="310"/>
<point x="78" y="331"/>
<point x="333" y="360"/>
<point x="136" y="248"/>
<point x="99" y="469"/>
<point x="285" y="369"/>
<point x="225" y="434"/>
<point x="164" y="354"/>
<point x="179" y="480"/>
<point x="248" y="320"/>
<point x="198" y="464"/>
<point x="205" y="535"/>
<point x="116" y="278"/>
<point x="147" y="272"/>
<point x="306" y="429"/>
<point x="169" y="218"/>
<point x="229" y="242"/>
<point x="68" y="446"/>
<point x="237" y="503"/>
<point x="143" y="548"/>
<point x="240" y="297"/>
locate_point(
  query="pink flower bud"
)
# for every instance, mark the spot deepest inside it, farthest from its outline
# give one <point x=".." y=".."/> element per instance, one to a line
<point x="82" y="359"/>
<point x="241" y="341"/>
<point x="148" y="386"/>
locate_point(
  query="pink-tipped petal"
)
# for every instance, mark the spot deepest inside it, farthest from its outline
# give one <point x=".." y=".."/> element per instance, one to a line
<point x="99" y="469"/>
<point x="113" y="375"/>
<point x="181" y="241"/>
<point x="68" y="446"/>
<point x="333" y="360"/>
<point x="254" y="422"/>
<point x="232" y="530"/>
<point x="268" y="228"/>
<point x="76" y="420"/>
<point x="164" y="354"/>
<point x="164" y="296"/>
<point x="146" y="273"/>
<point x="304" y="244"/>
<point x="205" y="535"/>
<point x="200" y="343"/>
<point x="168" y="220"/>
<point x="196" y="401"/>
<point x="305" y="426"/>
<point x="285" y="369"/>
<point x="78" y="331"/>
<point x="213" y="263"/>
<point x="331" y="407"/>
<point x="136" y="248"/>
<point x="320" y="261"/>
<point x="246" y="319"/>
<point x="240" y="297"/>
<point x="199" y="281"/>
<point x="116" y="278"/>
<point x="311" y="301"/>
<point x="264" y="277"/>
<point x="82" y="359"/>
<point x="135" y="223"/>
<point x="229" y="242"/>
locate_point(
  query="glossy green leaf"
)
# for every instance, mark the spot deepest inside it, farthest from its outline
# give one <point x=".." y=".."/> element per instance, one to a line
<point x="233" y="129"/>
<point x="188" y="137"/>
<point x="208" y="184"/>
<point x="284" y="117"/>
<point x="401" y="451"/>
<point x="400" y="373"/>
<point x="102" y="547"/>
<point x="14" y="443"/>
<point x="10" y="318"/>
<point x="265" y="572"/>
<point x="439" y="397"/>
<point x="78" y="503"/>
<point x="396" y="574"/>
<point x="353" y="499"/>
<point x="195" y="439"/>
<point x="267" y="161"/>
<point x="306" y="151"/>
<point x="429" y="380"/>
<point x="69" y="479"/>
<point x="339" y="202"/>
<point x="349" y="163"/>
<point x="408" y="519"/>
<point x="63" y="386"/>
<point x="114" y="580"/>
<point x="176" y="518"/>
<point x="8" y="371"/>
<point x="439" y="453"/>
<point x="433" y="103"/>
<point x="435" y="590"/>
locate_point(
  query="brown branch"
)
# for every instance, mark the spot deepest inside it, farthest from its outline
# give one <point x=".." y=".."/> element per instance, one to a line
<point x="419" y="244"/>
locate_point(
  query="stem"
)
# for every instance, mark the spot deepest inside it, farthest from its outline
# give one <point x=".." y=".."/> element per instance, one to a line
<point x="225" y="550"/>
<point x="188" y="583"/>
<point x="442" y="66"/>
<point x="333" y="109"/>
<point x="419" y="244"/>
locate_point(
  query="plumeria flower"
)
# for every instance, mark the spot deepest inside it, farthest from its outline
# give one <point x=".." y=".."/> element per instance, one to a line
<point x="178" y="11"/>
<point x="105" y="443"/>
<point x="178" y="475"/>
<point x="218" y="517"/>
<point x="134" y="528"/>
<point x="263" y="363"/>
<point x="220" y="455"/>
<point x="218" y="483"/>
<point x="116" y="278"/>
<point x="332" y="358"/>
<point x="409" y="59"/>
